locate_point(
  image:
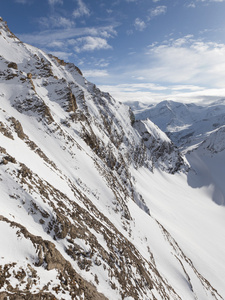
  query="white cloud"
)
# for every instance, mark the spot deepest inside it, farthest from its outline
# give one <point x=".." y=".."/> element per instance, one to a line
<point x="56" y="22"/>
<point x="68" y="35"/>
<point x="102" y="63"/>
<point x="184" y="69"/>
<point x="82" y="10"/>
<point x="144" y="92"/>
<point x="139" y="24"/>
<point x="157" y="11"/>
<point x="191" y="5"/>
<point x="56" y="44"/>
<point x="188" y="61"/>
<point x="95" y="73"/>
<point x="90" y="43"/>
<point x="155" y="94"/>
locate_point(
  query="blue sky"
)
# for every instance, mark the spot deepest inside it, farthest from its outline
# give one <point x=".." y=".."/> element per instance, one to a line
<point x="136" y="49"/>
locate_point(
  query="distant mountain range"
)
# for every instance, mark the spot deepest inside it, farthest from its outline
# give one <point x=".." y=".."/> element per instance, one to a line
<point x="99" y="201"/>
<point x="185" y="124"/>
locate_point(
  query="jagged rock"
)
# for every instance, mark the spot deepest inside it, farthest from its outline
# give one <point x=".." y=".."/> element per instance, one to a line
<point x="4" y="130"/>
<point x="72" y="102"/>
<point x="7" y="159"/>
<point x="17" y="127"/>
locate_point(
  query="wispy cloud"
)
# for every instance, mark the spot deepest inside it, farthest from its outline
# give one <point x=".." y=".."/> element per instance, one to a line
<point x="191" y="5"/>
<point x="54" y="2"/>
<point x="95" y="73"/>
<point x="184" y="69"/>
<point x="195" y="3"/>
<point x="101" y="63"/>
<point x="188" y="60"/>
<point x="157" y="11"/>
<point x="55" y="21"/>
<point x="67" y="42"/>
<point x="139" y="24"/>
<point x="82" y="10"/>
<point x="151" y="93"/>
<point x="90" y="43"/>
<point x="135" y="92"/>
<point x="66" y="35"/>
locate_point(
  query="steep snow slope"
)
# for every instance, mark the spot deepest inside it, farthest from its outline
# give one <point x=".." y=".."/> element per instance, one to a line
<point x="207" y="165"/>
<point x="93" y="204"/>
<point x="198" y="130"/>
<point x="194" y="221"/>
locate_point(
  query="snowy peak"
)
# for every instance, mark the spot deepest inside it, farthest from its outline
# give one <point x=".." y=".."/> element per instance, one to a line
<point x="167" y="114"/>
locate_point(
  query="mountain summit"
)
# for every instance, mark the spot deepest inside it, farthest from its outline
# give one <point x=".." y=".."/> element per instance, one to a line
<point x="94" y="205"/>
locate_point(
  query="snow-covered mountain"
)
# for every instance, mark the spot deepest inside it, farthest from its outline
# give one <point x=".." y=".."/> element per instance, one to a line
<point x="185" y="124"/>
<point x="95" y="205"/>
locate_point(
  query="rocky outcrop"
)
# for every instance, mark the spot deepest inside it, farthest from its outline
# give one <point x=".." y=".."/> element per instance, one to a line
<point x="163" y="151"/>
<point x="49" y="257"/>
<point x="13" y="65"/>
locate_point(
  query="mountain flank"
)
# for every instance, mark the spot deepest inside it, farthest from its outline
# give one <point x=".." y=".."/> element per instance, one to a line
<point x="91" y="197"/>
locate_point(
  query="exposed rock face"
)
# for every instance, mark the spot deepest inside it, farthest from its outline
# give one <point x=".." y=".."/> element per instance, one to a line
<point x="51" y="258"/>
<point x="67" y="158"/>
<point x="161" y="147"/>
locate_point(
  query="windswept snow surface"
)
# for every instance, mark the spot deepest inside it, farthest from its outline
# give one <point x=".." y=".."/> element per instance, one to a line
<point x="207" y="163"/>
<point x="192" y="219"/>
